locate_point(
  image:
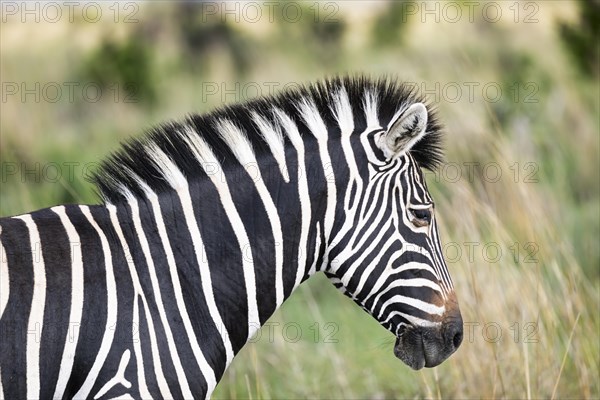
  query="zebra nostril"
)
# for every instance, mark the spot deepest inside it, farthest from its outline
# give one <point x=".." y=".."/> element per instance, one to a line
<point x="454" y="335"/>
<point x="457" y="340"/>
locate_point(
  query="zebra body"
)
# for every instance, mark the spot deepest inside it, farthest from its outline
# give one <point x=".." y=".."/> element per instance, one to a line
<point x="209" y="225"/>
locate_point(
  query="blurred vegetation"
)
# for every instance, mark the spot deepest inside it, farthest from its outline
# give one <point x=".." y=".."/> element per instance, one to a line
<point x="202" y="32"/>
<point x="391" y="24"/>
<point x="310" y="32"/>
<point x="582" y="39"/>
<point x="541" y="132"/>
<point x="126" y="63"/>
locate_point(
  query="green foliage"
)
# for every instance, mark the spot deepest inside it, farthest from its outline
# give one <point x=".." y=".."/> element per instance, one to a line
<point x="582" y="40"/>
<point x="315" y="33"/>
<point x="391" y="24"/>
<point x="126" y="65"/>
<point x="328" y="33"/>
<point x="201" y="33"/>
<point x="523" y="87"/>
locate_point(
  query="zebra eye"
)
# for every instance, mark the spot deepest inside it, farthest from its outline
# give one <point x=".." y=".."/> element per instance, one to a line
<point x="420" y="216"/>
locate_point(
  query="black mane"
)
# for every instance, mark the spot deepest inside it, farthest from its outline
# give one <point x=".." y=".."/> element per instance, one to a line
<point x="115" y="173"/>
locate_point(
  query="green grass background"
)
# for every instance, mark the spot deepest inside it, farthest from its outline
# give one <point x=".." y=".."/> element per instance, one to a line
<point x="531" y="312"/>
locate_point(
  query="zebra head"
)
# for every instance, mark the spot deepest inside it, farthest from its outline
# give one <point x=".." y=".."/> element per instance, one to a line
<point x="387" y="255"/>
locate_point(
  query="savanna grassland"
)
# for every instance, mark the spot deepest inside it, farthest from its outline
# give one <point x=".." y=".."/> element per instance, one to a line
<point x="517" y="201"/>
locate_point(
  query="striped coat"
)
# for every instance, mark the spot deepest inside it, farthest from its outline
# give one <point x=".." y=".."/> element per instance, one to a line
<point x="209" y="224"/>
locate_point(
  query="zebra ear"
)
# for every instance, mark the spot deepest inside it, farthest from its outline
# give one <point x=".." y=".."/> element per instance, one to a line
<point x="407" y="130"/>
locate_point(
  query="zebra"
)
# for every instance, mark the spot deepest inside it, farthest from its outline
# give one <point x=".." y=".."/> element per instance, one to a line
<point x="207" y="225"/>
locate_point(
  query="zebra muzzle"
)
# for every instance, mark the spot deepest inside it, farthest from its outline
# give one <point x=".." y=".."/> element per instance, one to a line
<point x="428" y="347"/>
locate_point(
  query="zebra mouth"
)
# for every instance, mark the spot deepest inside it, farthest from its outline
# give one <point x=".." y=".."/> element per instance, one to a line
<point x="427" y="347"/>
<point x="409" y="348"/>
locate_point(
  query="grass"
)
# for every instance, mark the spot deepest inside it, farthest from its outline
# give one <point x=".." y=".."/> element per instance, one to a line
<point x="531" y="311"/>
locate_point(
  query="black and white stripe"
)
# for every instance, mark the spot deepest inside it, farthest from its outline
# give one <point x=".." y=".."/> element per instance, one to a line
<point x="209" y="225"/>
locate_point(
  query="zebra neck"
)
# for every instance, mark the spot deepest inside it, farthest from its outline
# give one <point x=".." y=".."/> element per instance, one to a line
<point x="226" y="256"/>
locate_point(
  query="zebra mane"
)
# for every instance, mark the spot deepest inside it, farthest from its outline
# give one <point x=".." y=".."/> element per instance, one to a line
<point x="122" y="171"/>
